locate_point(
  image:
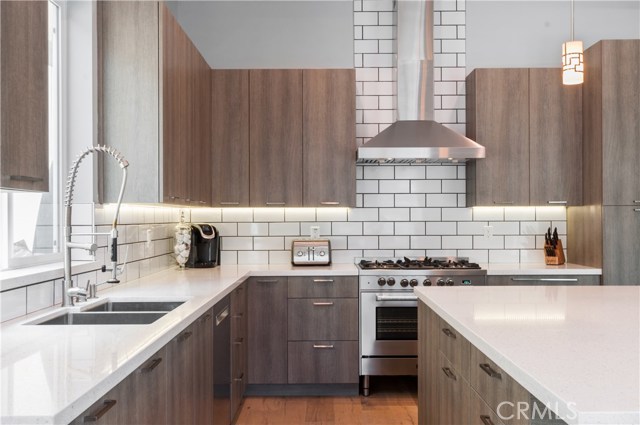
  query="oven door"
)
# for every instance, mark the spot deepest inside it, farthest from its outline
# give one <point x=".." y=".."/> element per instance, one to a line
<point x="388" y="323"/>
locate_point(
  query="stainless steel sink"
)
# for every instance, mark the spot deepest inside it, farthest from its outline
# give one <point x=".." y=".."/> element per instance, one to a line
<point x="104" y="318"/>
<point x="115" y="306"/>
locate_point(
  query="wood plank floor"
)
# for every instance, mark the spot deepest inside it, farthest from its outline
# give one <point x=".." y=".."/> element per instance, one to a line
<point x="392" y="401"/>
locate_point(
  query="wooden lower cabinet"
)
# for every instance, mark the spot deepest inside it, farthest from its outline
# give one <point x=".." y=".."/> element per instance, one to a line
<point x="480" y="413"/>
<point x="323" y="362"/>
<point x="453" y="394"/>
<point x="203" y="369"/>
<point x="180" y="378"/>
<point x="150" y="390"/>
<point x="114" y="408"/>
<point x="238" y="347"/>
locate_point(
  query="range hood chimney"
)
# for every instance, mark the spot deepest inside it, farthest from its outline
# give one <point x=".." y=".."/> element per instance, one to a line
<point x="415" y="137"/>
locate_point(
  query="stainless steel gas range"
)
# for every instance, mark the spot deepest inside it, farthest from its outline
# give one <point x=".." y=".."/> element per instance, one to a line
<point x="389" y="309"/>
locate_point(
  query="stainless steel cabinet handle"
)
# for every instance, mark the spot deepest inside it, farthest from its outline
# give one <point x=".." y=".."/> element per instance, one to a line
<point x="322" y="346"/>
<point x="396" y="298"/>
<point x="222" y="315"/>
<point x="276" y="203"/>
<point x="556" y="203"/>
<point x="323" y="303"/>
<point x="174" y="197"/>
<point x="486" y="420"/>
<point x="240" y="378"/>
<point x="486" y="367"/>
<point x="544" y="279"/>
<point x="152" y="365"/>
<point x="26" y="179"/>
<point x="448" y="333"/>
<point x="206" y="317"/>
<point x="503" y="202"/>
<point x="322" y="280"/>
<point x="636" y="209"/>
<point x="449" y="374"/>
<point x="185" y="336"/>
<point x="238" y="341"/>
<point x="267" y="280"/>
<point x="229" y="203"/>
<point x="636" y="202"/>
<point x="202" y="202"/>
<point x="238" y="316"/>
<point x="329" y="203"/>
<point x="106" y="406"/>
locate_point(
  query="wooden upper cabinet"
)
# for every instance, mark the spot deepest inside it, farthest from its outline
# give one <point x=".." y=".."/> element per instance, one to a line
<point x="329" y="150"/>
<point x="555" y="137"/>
<point x="200" y="173"/>
<point x="24" y="137"/>
<point x="275" y="126"/>
<point x="620" y="132"/>
<point x="498" y="118"/>
<point x="230" y="137"/>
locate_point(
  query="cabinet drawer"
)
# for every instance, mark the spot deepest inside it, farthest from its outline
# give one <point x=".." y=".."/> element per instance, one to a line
<point x="455" y="347"/>
<point x="323" y="362"/>
<point x="494" y="386"/>
<point x="323" y="287"/>
<point x="480" y="413"/>
<point x="239" y="299"/>
<point x="530" y="280"/>
<point x="323" y="318"/>
<point x="453" y="394"/>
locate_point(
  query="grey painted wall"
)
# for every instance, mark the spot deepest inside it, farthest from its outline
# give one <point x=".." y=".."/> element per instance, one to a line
<point x="270" y="34"/>
<point x="531" y="33"/>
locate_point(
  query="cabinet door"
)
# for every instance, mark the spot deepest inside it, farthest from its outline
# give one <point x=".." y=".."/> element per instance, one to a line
<point x="555" y="137"/>
<point x="620" y="248"/>
<point x="230" y="137"/>
<point x="323" y="362"/>
<point x="24" y="137"/>
<point x="150" y="393"/>
<point x="238" y="347"/>
<point x="453" y="394"/>
<point x="621" y="122"/>
<point x="203" y="368"/>
<point x="117" y="407"/>
<point x="180" y="379"/>
<point x="200" y="172"/>
<point x="323" y="319"/>
<point x="267" y="329"/>
<point x="329" y="149"/>
<point x="498" y="119"/>
<point x="275" y="128"/>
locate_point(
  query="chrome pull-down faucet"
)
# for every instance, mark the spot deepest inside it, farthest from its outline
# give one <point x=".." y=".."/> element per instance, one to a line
<point x="68" y="291"/>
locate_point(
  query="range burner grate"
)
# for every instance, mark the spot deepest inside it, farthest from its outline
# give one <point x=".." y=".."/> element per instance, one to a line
<point x="425" y="263"/>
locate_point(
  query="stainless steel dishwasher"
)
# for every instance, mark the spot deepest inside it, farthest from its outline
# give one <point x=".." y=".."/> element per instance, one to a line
<point x="222" y="363"/>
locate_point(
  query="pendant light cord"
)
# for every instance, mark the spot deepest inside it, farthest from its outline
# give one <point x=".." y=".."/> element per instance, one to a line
<point x="572" y="6"/>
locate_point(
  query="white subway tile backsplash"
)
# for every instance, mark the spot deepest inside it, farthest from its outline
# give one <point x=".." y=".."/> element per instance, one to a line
<point x="457" y="214"/>
<point x="331" y="214"/>
<point x="378" y="253"/>
<point x="279" y="257"/>
<point x="338" y="242"/>
<point x="492" y="242"/>
<point x="386" y="18"/>
<point x="488" y="213"/>
<point x="300" y="214"/>
<point x="410" y="200"/>
<point x="365" y="18"/>
<point x="393" y="242"/>
<point x="445" y="59"/>
<point x="454" y="186"/>
<point x="272" y="243"/>
<point x="227" y="229"/>
<point x="381" y="228"/>
<point x="380" y="60"/>
<point x="363" y="214"/>
<point x="226" y="258"/>
<point x="387" y="102"/>
<point x="253" y="257"/>
<point x="520" y="242"/>
<point x="345" y="256"/>
<point x="325" y="228"/>
<point x="425" y="214"/>
<point x="367" y="102"/>
<point x="531" y="256"/>
<point x="253" y="229"/>
<point x="379" y="116"/>
<point x="442" y="172"/>
<point x="410" y="172"/>
<point x="440" y="228"/>
<point x="505" y="227"/>
<point x="235" y="215"/>
<point x="426" y="186"/>
<point x="39" y="296"/>
<point x="14" y="304"/>
<point x="378" y="5"/>
<point x="409" y="228"/>
<point x="284" y="229"/>
<point x="363" y="242"/>
<point x="366" y="46"/>
<point x="409" y="253"/>
<point x="551" y="213"/>
<point x="394" y="214"/>
<point x="378" y="32"/>
<point x="378" y="200"/>
<point x="453" y="46"/>
<point x="206" y="215"/>
<point x="426" y="242"/>
<point x="505" y="256"/>
<point x="386" y="46"/>
<point x="452" y="18"/>
<point x="471" y="228"/>
<point x="445" y="31"/>
<point x="533" y="227"/>
<point x="457" y="242"/>
<point x="442" y="200"/>
<point x="268" y="214"/>
<point x="382" y="88"/>
<point x="441" y="253"/>
<point x="382" y="172"/>
<point x="475" y="255"/>
<point x="353" y="228"/>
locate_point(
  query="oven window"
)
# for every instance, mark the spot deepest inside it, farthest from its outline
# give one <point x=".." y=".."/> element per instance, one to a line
<point x="396" y="323"/>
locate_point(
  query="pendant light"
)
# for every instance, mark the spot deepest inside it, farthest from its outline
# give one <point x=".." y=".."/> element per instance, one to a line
<point x="572" y="59"/>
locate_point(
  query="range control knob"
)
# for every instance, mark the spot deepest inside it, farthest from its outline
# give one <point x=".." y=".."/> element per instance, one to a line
<point x="382" y="281"/>
<point x="322" y="254"/>
<point x="300" y="253"/>
<point x="449" y="282"/>
<point x="404" y="283"/>
<point x="391" y="281"/>
<point x="440" y="282"/>
<point x="426" y="282"/>
<point x="413" y="282"/>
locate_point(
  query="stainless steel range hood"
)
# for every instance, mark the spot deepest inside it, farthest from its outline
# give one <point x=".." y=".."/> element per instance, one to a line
<point x="415" y="137"/>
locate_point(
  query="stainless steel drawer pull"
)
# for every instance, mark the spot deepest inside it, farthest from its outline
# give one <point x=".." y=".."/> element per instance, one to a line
<point x="267" y="280"/>
<point x="322" y="280"/>
<point x="206" y="317"/>
<point x="636" y="202"/>
<point x="556" y="203"/>
<point x="486" y="420"/>
<point x="322" y="346"/>
<point x="329" y="203"/>
<point x="448" y="333"/>
<point x="202" y="202"/>
<point x="238" y="316"/>
<point x="185" y="336"/>
<point x="152" y="366"/>
<point x="503" y="202"/>
<point x="222" y="315"/>
<point x="174" y="197"/>
<point x="106" y="406"/>
<point x="486" y="367"/>
<point x="229" y="203"/>
<point x="544" y="279"/>
<point x="449" y="374"/>
<point x="323" y="304"/>
<point x="276" y="203"/>
<point x="240" y="378"/>
<point x="26" y="179"/>
<point x="636" y="209"/>
<point x="396" y="298"/>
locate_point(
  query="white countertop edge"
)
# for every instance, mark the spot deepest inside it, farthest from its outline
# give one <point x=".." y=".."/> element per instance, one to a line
<point x="513" y="269"/>
<point x="559" y="406"/>
<point x="70" y="412"/>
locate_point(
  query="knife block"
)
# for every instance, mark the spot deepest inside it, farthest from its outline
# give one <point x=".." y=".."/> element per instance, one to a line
<point x="554" y="256"/>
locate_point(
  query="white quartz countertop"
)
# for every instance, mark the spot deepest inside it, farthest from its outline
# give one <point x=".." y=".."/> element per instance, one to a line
<point x="574" y="347"/>
<point x="51" y="374"/>
<point x="514" y="269"/>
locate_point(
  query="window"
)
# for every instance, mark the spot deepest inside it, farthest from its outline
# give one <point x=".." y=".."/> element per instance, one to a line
<point x="30" y="231"/>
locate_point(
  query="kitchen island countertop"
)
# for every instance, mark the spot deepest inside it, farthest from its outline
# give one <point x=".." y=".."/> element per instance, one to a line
<point x="577" y="348"/>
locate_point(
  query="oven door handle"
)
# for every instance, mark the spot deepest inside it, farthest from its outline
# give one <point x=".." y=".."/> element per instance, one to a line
<point x="380" y="297"/>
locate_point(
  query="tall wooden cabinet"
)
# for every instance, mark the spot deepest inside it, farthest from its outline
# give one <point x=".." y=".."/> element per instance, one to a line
<point x="530" y="125"/>
<point x="154" y="105"/>
<point x="24" y="128"/>
<point x="606" y="231"/>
